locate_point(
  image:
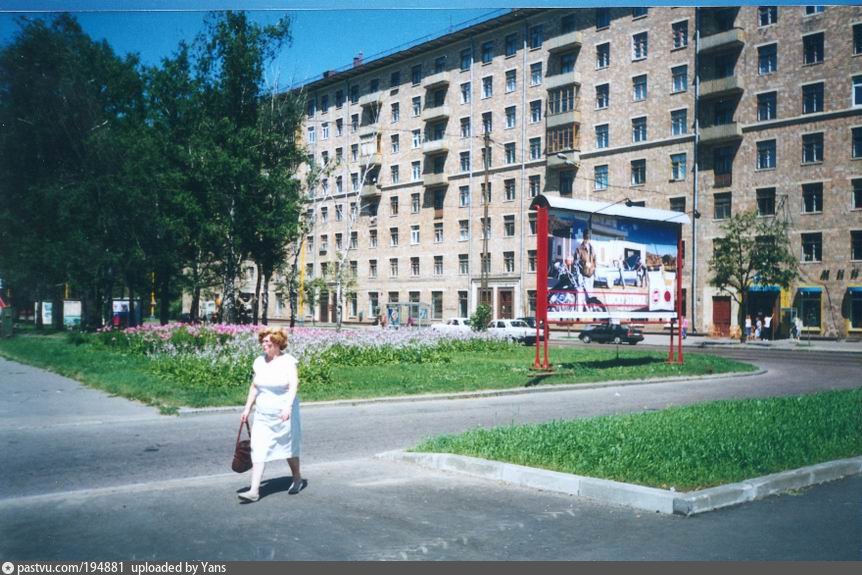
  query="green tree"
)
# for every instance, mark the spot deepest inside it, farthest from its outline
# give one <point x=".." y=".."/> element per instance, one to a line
<point x="481" y="317"/>
<point x="752" y="250"/>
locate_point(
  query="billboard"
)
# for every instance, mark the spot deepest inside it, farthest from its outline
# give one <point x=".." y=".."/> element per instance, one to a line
<point x="608" y="267"/>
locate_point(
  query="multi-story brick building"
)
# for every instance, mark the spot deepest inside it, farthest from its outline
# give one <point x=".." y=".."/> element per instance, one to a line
<point x="709" y="111"/>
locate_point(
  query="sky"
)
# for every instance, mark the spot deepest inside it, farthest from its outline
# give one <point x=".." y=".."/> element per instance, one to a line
<point x="323" y="39"/>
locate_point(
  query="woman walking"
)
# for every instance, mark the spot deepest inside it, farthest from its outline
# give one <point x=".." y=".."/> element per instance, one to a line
<point x="276" y="433"/>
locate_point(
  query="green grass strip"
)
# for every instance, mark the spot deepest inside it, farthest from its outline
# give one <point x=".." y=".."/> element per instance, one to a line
<point x="686" y="448"/>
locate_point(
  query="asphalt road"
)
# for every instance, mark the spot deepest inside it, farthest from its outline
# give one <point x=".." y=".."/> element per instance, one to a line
<point x="87" y="476"/>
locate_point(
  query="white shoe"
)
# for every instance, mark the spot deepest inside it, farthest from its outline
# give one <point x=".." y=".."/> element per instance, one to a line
<point x="249" y="496"/>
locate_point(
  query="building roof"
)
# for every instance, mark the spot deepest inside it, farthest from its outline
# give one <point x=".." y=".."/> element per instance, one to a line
<point x="618" y="209"/>
<point x="338" y="76"/>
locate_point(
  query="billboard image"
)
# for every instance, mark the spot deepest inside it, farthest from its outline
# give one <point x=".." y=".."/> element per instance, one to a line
<point x="605" y="267"/>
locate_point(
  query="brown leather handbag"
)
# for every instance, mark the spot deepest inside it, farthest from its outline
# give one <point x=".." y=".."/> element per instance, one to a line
<point x="242" y="452"/>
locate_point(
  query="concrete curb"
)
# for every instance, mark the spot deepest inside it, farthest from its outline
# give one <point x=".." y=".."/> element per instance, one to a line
<point x="637" y="496"/>
<point x="186" y="411"/>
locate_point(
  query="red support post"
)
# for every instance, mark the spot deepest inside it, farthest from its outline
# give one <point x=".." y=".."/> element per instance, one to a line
<point x="542" y="286"/>
<point x="680" y="258"/>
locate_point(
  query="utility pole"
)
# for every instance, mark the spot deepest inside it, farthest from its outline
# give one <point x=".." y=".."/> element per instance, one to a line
<point x="485" y="227"/>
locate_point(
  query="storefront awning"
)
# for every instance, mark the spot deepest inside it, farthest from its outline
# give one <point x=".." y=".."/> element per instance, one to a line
<point x="768" y="289"/>
<point x="810" y="290"/>
<point x="855" y="290"/>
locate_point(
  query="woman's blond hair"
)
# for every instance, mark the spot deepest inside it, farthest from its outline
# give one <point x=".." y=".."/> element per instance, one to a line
<point x="276" y="335"/>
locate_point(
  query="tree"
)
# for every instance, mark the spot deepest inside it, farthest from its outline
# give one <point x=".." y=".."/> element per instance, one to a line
<point x="752" y="251"/>
<point x="481" y="317"/>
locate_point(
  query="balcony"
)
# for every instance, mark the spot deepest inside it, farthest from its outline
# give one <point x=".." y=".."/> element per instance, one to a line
<point x="370" y="99"/>
<point x="564" y="42"/>
<point x="373" y="159"/>
<point x="571" y="160"/>
<point x="733" y="38"/>
<point x="554" y="120"/>
<point x="560" y="80"/>
<point x="437" y="80"/>
<point x="433" y="180"/>
<point x="721" y="87"/>
<point x="368" y="130"/>
<point x="370" y="191"/>
<point x="440" y="146"/>
<point x="436" y="113"/>
<point x="721" y="133"/>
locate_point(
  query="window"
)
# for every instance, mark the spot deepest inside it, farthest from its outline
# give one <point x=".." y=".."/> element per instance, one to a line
<point x="486" y="194"/>
<point x="438" y="232"/>
<point x="437" y="302"/>
<point x="339" y="99"/>
<point x="395" y="79"/>
<point x="395" y="111"/>
<point x="680" y="78"/>
<point x="311" y="135"/>
<point x="680" y="34"/>
<point x="510" y="117"/>
<point x="465" y="161"/>
<point x="324" y="242"/>
<point x="416" y="171"/>
<point x="535" y="148"/>
<point x="603" y="18"/>
<point x="767" y="106"/>
<point x="602" y="96"/>
<point x="639" y="46"/>
<point x="487" y="52"/>
<point x="439" y="64"/>
<point x="393" y="208"/>
<point x="339" y="186"/>
<point x="856" y="151"/>
<point x="679" y="122"/>
<point x="372" y="238"/>
<point x="466" y="59"/>
<point x="812" y="148"/>
<point x="354" y="187"/>
<point x="463" y="264"/>
<point x="855" y="245"/>
<point x="639" y="12"/>
<point x="722" y="206"/>
<point x="812" y="198"/>
<point x="464" y="196"/>
<point x="339" y="212"/>
<point x="324" y="214"/>
<point x="487" y="123"/>
<point x="537" y="36"/>
<point x="811" y="10"/>
<point x="510" y="153"/>
<point x="535" y="111"/>
<point x="486" y="227"/>
<point x="417" y="138"/>
<point x="339" y="127"/>
<point x="601" y="177"/>
<point x="465" y="93"/>
<point x="487" y="86"/>
<point x="561" y="100"/>
<point x="767" y="15"/>
<point x="395" y="143"/>
<point x="561" y="139"/>
<point x="812" y="98"/>
<point x="393" y="272"/>
<point x="567" y="180"/>
<point x="372" y="269"/>
<point x="536" y="74"/>
<point x="677" y="204"/>
<point x="809" y="307"/>
<point x="639" y="129"/>
<point x="639" y="88"/>
<point x="312" y="104"/>
<point x="511" y="44"/>
<point x="857" y="91"/>
<point x="414" y="234"/>
<point x="354" y="122"/>
<point x="638" y="168"/>
<point x="414" y="203"/>
<point x="508" y="226"/>
<point x="857" y="38"/>
<point x="812" y="48"/>
<point x="509" y="262"/>
<point x="766" y="202"/>
<point x="602" y="136"/>
<point x="511" y="81"/>
<point x="535" y="185"/>
<point x="812" y="247"/>
<point x="393" y="236"/>
<point x="767" y="59"/>
<point x="603" y="55"/>
<point x="463" y="230"/>
<point x="766" y="155"/>
<point x="856" y="199"/>
<point x="677" y="167"/>
<point x="416" y="74"/>
<point x="339" y="243"/>
<point x="486" y="263"/>
<point x="354" y="94"/>
<point x="324" y="131"/>
<point x="509" y="188"/>
<point x="354" y="152"/>
<point x="531" y="260"/>
<point x="532" y="220"/>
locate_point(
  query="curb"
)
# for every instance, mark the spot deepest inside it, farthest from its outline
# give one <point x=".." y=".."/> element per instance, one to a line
<point x="187" y="411"/>
<point x="631" y="495"/>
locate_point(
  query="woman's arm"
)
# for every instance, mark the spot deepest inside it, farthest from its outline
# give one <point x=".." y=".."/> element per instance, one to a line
<point x="249" y="402"/>
<point x="292" y="389"/>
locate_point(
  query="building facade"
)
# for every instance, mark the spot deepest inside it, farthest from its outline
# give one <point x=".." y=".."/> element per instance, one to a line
<point x="708" y="111"/>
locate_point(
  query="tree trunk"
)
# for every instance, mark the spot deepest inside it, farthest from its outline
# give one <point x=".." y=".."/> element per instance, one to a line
<point x="58" y="308"/>
<point x="39" y="323"/>
<point x="255" y="309"/>
<point x="132" y="319"/>
<point x="165" y="300"/>
<point x="265" y="300"/>
<point x="740" y="317"/>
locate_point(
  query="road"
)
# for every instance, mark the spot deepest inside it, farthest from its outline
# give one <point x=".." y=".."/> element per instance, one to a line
<point x="87" y="476"/>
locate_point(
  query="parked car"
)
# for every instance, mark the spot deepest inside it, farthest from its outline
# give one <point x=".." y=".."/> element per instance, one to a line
<point x="611" y="332"/>
<point x="530" y="320"/>
<point x="453" y="324"/>
<point x="513" y="329"/>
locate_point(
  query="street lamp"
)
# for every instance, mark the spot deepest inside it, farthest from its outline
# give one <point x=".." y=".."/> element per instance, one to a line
<point x="628" y="202"/>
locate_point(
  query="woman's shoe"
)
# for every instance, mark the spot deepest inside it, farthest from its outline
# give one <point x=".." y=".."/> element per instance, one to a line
<point x="296" y="487"/>
<point x="249" y="496"/>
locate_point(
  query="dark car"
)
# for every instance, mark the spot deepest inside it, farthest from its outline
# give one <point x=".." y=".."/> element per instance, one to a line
<point x="530" y="320"/>
<point x="607" y="332"/>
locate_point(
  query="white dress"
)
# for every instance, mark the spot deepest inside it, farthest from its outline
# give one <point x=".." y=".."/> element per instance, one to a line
<point x="272" y="438"/>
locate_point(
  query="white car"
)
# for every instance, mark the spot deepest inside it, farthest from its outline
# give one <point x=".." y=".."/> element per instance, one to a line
<point x="452" y="325"/>
<point x="513" y="329"/>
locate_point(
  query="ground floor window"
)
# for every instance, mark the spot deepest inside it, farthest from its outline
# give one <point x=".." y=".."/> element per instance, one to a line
<point x="809" y="309"/>
<point x="436" y="305"/>
<point x="373" y="304"/>
<point x="531" y="301"/>
<point x="856" y="310"/>
<point x="462" y="304"/>
<point x="352" y="305"/>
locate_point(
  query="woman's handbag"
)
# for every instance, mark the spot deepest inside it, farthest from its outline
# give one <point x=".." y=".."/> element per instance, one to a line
<point x="242" y="453"/>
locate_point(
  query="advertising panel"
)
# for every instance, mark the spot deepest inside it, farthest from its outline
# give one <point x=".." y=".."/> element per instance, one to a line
<point x="605" y="267"/>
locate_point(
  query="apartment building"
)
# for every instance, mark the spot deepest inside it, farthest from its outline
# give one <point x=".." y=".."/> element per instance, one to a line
<point x="709" y="111"/>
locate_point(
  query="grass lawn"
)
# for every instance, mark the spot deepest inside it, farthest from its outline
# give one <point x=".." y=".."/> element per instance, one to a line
<point x="686" y="448"/>
<point x="129" y="375"/>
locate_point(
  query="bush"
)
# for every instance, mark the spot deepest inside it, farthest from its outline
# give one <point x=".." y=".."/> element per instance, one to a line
<point x="480" y="318"/>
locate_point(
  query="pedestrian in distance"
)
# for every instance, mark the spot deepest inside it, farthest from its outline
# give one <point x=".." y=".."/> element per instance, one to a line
<point x="758" y="328"/>
<point x="684" y="327"/>
<point x="274" y="394"/>
<point x="747" y="328"/>
<point x="767" y="327"/>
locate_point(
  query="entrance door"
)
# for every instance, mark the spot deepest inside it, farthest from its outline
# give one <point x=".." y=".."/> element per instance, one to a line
<point x="324" y="306"/>
<point x="504" y="303"/>
<point x="721" y="315"/>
